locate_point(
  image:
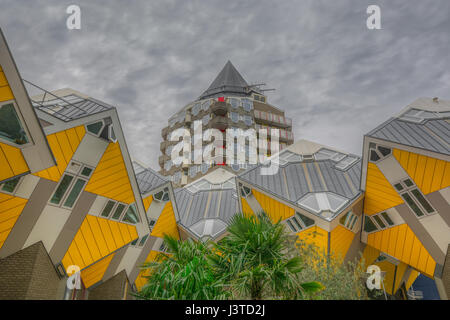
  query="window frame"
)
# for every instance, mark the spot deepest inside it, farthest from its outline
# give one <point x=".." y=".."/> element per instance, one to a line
<point x="22" y="124"/>
<point x="408" y="191"/>
<point x="16" y="187"/>
<point x="101" y="129"/>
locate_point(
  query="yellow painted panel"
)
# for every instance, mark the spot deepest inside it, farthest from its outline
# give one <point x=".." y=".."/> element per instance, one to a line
<point x="15" y="159"/>
<point x="389" y="268"/>
<point x="63" y="145"/>
<point x="6" y="171"/>
<point x="3" y="81"/>
<point x="428" y="173"/>
<point x="110" y="175"/>
<point x="6" y="93"/>
<point x="412" y="277"/>
<point x="340" y="241"/>
<point x="95" y="272"/>
<point x="408" y="248"/>
<point x="166" y="223"/>
<point x="274" y="209"/>
<point x="96" y="238"/>
<point x="246" y="209"/>
<point x="401" y="269"/>
<point x="147" y="201"/>
<point x="140" y="280"/>
<point x="316" y="236"/>
<point x="10" y="209"/>
<point x="379" y="195"/>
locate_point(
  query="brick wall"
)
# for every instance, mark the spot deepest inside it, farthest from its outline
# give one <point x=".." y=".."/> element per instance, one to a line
<point x="29" y="274"/>
<point x="113" y="289"/>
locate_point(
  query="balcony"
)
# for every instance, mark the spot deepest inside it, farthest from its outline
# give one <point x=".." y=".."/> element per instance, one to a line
<point x="273" y="119"/>
<point x="219" y="122"/>
<point x="219" y="108"/>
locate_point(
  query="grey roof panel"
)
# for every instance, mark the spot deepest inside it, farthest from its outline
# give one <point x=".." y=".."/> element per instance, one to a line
<point x="431" y="135"/>
<point x="147" y="178"/>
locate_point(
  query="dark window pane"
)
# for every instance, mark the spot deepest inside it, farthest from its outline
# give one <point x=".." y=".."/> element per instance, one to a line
<point x="384" y="151"/>
<point x="398" y="186"/>
<point x="134" y="242"/>
<point x="107" y="210"/>
<point x="408" y="182"/>
<point x="10" y="126"/>
<point x="369" y="226"/>
<point x="296" y="224"/>
<point x="380" y="223"/>
<point x="425" y="204"/>
<point x="61" y="190"/>
<point x="412" y="204"/>
<point x="166" y="196"/>
<point x="10" y="185"/>
<point x="151" y="223"/>
<point x="307" y="221"/>
<point x="387" y="218"/>
<point x="343" y="219"/>
<point x="73" y="195"/>
<point x="86" y="172"/>
<point x="291" y="226"/>
<point x="374" y="156"/>
<point x="131" y="215"/>
<point x="118" y="211"/>
<point x="95" y="127"/>
<point x="141" y="243"/>
<point x="158" y="196"/>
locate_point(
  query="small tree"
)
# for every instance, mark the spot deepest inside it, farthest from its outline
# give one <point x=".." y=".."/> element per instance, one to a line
<point x="254" y="260"/>
<point x="182" y="274"/>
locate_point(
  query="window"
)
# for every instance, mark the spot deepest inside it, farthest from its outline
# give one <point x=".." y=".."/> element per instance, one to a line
<point x="248" y="120"/>
<point x="206" y="105"/>
<point x="205" y="119"/>
<point x="413" y="197"/>
<point x="95" y="128"/>
<point x="108" y="208"/>
<point x="325" y="154"/>
<point x="196" y="109"/>
<point x="10" y="126"/>
<point x="379" y="222"/>
<point x="151" y="223"/>
<point x="74" y="193"/>
<point x="71" y="185"/>
<point x="142" y="241"/>
<point x="131" y="215"/>
<point x="247" y="104"/>
<point x="369" y="226"/>
<point x="377" y="152"/>
<point x="111" y="134"/>
<point x="163" y="247"/>
<point x="162" y="195"/>
<point x="323" y="202"/>
<point x="347" y="162"/>
<point x="348" y="220"/>
<point x="234" y="102"/>
<point x="234" y="116"/>
<point x="61" y="190"/>
<point x="245" y="191"/>
<point x="387" y="218"/>
<point x="11" y="185"/>
<point x="118" y="212"/>
<point x="299" y="222"/>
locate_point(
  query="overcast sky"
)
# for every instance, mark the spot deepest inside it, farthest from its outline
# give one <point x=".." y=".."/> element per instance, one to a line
<point x="335" y="78"/>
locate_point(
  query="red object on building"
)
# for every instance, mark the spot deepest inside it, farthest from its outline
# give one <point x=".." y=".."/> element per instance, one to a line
<point x="221" y="99"/>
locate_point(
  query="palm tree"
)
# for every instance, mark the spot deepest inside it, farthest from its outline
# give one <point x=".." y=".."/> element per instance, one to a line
<point x="182" y="274"/>
<point x="253" y="258"/>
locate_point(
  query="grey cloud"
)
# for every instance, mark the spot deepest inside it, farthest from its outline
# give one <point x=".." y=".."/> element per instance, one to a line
<point x="335" y="78"/>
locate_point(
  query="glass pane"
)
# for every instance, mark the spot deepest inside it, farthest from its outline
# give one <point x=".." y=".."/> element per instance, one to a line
<point x="387" y="218"/>
<point x="398" y="186"/>
<point x="425" y="204"/>
<point x="141" y="243"/>
<point x="10" y="185"/>
<point x="412" y="204"/>
<point x="307" y="221"/>
<point x="86" y="172"/>
<point x="354" y="221"/>
<point x="134" y="242"/>
<point x="380" y="223"/>
<point x="291" y="226"/>
<point x="107" y="210"/>
<point x="158" y="196"/>
<point x="61" y="190"/>
<point x="369" y="226"/>
<point x="131" y="215"/>
<point x="408" y="182"/>
<point x="10" y="126"/>
<point x="73" y="195"/>
<point x="343" y="219"/>
<point x="118" y="211"/>
<point x="95" y="127"/>
<point x="296" y="224"/>
<point x="384" y="151"/>
<point x="374" y="156"/>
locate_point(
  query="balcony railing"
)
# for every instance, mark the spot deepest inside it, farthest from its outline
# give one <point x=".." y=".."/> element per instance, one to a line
<point x="273" y="118"/>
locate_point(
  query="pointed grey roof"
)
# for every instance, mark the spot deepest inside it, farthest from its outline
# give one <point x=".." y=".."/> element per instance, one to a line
<point x="229" y="80"/>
